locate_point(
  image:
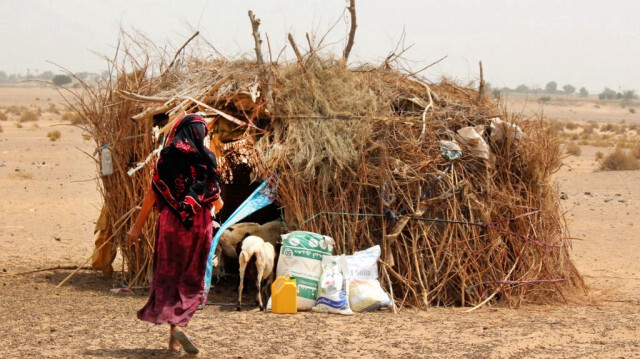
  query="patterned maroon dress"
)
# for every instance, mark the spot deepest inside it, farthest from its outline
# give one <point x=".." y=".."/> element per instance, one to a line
<point x="186" y="187"/>
<point x="178" y="270"/>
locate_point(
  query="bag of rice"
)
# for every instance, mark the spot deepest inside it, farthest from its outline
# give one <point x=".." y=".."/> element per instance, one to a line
<point x="333" y="291"/>
<point x="365" y="292"/>
<point x="301" y="257"/>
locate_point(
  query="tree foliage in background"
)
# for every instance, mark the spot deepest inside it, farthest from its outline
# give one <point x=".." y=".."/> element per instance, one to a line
<point x="584" y="92"/>
<point x="551" y="87"/>
<point x="568" y="89"/>
<point x="607" y="94"/>
<point x="61" y="80"/>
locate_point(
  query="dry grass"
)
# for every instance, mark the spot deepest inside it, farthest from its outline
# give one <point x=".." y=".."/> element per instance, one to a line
<point x="54" y="135"/>
<point x="21" y="175"/>
<point x="28" y="116"/>
<point x="620" y="160"/>
<point x="53" y="109"/>
<point x="599" y="156"/>
<point x="573" y="149"/>
<point x="72" y="118"/>
<point x="1" y="130"/>
<point x="3" y="116"/>
<point x="571" y="125"/>
<point x="635" y="151"/>
<point x="15" y="110"/>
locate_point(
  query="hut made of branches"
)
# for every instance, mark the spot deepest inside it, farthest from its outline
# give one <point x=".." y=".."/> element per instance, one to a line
<point x="357" y="154"/>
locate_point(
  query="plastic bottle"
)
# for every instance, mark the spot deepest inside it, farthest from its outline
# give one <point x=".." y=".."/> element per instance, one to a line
<point x="107" y="161"/>
<point x="284" y="296"/>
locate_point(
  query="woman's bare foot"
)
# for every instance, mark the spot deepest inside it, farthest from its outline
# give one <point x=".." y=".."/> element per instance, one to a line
<point x="174" y="344"/>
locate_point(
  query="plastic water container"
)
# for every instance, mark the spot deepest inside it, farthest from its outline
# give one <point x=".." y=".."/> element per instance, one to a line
<point x="107" y="161"/>
<point x="284" y="296"/>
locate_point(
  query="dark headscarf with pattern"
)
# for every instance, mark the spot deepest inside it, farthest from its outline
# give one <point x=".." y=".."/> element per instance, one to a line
<point x="186" y="175"/>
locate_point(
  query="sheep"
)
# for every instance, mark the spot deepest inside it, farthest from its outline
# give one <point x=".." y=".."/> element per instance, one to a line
<point x="257" y="260"/>
<point x="269" y="231"/>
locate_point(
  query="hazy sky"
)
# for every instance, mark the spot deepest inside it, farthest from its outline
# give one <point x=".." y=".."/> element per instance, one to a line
<point x="591" y="43"/>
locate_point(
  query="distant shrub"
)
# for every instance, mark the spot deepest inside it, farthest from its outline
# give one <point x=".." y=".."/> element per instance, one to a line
<point x="619" y="160"/>
<point x="544" y="99"/>
<point x="54" y="135"/>
<point x="18" y="125"/>
<point x="596" y="106"/>
<point x="635" y="151"/>
<point x="599" y="156"/>
<point x="71" y="117"/>
<point x="1" y="130"/>
<point x="609" y="127"/>
<point x="15" y="110"/>
<point x="587" y="129"/>
<point x="632" y="110"/>
<point x="573" y="149"/>
<point x="571" y="125"/>
<point x="28" y="116"/>
<point x="53" y="109"/>
<point x="3" y="116"/>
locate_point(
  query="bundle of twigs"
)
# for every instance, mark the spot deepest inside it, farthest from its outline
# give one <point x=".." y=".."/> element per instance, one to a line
<point x="356" y="155"/>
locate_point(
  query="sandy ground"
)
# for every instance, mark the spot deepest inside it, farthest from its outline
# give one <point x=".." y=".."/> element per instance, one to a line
<point x="50" y="204"/>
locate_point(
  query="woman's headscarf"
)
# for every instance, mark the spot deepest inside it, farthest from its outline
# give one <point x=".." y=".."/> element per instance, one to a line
<point x="186" y="175"/>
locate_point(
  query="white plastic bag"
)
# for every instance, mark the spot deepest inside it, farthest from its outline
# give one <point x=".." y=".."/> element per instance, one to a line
<point x="500" y="130"/>
<point x="365" y="292"/>
<point x="473" y="135"/>
<point x="333" y="289"/>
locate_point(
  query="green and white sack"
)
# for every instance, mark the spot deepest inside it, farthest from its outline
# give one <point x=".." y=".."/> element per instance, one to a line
<point x="301" y="257"/>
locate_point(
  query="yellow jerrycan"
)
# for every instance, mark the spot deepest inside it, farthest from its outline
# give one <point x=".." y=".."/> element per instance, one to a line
<point x="284" y="295"/>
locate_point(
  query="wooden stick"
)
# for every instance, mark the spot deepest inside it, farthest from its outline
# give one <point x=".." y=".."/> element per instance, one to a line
<point x="299" y="57"/>
<point x="50" y="269"/>
<point x="136" y="96"/>
<point x="255" y="23"/>
<point x="352" y="31"/>
<point x="182" y="48"/>
<point x="481" y="87"/>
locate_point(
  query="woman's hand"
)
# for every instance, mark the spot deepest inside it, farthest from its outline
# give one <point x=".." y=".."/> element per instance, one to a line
<point x="133" y="236"/>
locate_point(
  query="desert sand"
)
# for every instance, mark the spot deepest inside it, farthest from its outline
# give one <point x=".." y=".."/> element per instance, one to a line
<point x="50" y="204"/>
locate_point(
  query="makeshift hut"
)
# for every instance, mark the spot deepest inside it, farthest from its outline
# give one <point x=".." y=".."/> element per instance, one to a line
<point x="455" y="190"/>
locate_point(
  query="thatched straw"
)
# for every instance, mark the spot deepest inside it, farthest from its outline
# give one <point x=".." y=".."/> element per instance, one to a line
<point x="361" y="143"/>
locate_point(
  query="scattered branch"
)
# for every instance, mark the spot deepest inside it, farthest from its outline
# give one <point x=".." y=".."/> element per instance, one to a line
<point x="182" y="48"/>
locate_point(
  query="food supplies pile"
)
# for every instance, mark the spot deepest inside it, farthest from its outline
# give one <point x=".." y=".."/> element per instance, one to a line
<point x="456" y="192"/>
<point x="335" y="284"/>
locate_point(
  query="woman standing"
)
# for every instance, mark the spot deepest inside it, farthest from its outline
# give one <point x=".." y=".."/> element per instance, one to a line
<point x="184" y="189"/>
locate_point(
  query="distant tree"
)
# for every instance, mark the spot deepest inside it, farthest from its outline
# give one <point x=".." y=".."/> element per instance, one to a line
<point x="607" y="94"/>
<point x="584" y="92"/>
<point x="61" y="80"/>
<point x="3" y="76"/>
<point x="629" y="95"/>
<point x="47" y="76"/>
<point x="522" y="89"/>
<point x="568" y="89"/>
<point x="551" y="87"/>
<point x="82" y="75"/>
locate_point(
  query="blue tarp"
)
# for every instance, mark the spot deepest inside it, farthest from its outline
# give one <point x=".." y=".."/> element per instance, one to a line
<point x="260" y="198"/>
